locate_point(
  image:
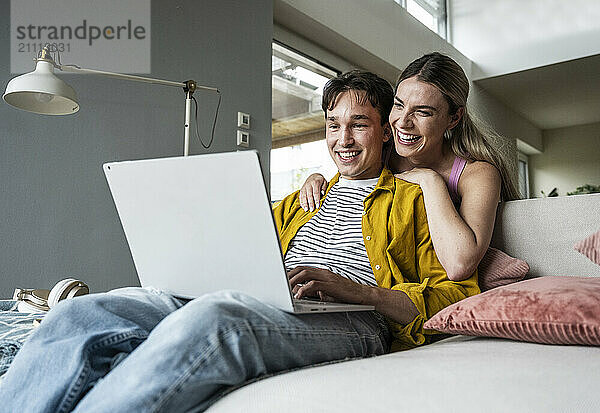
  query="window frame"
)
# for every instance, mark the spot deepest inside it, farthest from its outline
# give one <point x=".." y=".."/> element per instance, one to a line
<point x="292" y="55"/>
<point x="440" y="15"/>
<point x="318" y="67"/>
<point x="523" y="159"/>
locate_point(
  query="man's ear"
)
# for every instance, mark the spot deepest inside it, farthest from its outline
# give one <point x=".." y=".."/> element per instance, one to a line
<point x="387" y="132"/>
<point x="454" y="119"/>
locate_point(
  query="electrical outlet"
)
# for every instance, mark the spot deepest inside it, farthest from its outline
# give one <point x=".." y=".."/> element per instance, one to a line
<point x="243" y="138"/>
<point x="243" y="120"/>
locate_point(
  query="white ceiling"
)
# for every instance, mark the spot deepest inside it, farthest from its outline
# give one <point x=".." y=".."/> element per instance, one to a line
<point x="555" y="96"/>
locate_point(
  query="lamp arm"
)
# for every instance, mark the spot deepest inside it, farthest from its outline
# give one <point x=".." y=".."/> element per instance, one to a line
<point x="75" y="69"/>
<point x="189" y="87"/>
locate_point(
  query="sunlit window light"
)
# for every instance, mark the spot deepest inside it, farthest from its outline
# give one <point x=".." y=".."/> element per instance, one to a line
<point x="422" y="15"/>
<point x="432" y="13"/>
<point x="298" y="127"/>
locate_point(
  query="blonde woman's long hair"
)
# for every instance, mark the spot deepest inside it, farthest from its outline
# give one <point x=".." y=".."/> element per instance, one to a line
<point x="470" y="138"/>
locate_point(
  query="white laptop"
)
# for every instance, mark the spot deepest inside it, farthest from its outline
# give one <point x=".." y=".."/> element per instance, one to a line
<point x="204" y="223"/>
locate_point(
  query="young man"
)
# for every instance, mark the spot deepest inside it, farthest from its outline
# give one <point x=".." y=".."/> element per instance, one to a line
<point x="141" y="349"/>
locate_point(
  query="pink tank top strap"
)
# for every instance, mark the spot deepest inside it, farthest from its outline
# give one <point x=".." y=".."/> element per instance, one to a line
<point x="457" y="169"/>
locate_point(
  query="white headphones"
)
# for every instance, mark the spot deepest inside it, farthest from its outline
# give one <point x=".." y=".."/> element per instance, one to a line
<point x="35" y="301"/>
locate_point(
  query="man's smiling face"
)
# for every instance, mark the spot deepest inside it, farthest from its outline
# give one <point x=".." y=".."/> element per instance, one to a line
<point x="355" y="136"/>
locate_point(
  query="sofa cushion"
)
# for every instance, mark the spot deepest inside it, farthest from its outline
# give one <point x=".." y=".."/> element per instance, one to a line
<point x="502" y="376"/>
<point x="552" y="310"/>
<point x="590" y="247"/>
<point x="498" y="268"/>
<point x="542" y="231"/>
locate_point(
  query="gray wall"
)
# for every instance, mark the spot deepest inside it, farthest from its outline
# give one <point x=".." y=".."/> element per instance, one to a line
<point x="58" y="218"/>
<point x="570" y="160"/>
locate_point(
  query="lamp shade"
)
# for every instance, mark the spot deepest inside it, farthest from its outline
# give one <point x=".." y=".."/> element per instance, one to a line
<point x="41" y="92"/>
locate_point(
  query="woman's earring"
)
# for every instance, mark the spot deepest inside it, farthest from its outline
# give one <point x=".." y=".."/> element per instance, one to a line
<point x="448" y="134"/>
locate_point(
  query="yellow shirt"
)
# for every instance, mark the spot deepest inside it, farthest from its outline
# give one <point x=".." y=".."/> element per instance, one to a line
<point x="400" y="250"/>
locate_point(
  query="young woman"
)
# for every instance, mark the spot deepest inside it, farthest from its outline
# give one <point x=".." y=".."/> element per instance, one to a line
<point x="443" y="149"/>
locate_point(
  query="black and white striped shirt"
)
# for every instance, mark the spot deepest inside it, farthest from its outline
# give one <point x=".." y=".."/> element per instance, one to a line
<point x="333" y="238"/>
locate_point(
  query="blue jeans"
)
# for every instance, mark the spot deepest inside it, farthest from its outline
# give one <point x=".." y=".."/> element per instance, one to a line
<point x="142" y="350"/>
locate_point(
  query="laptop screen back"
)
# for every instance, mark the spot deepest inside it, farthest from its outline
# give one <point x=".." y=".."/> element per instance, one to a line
<point x="200" y="224"/>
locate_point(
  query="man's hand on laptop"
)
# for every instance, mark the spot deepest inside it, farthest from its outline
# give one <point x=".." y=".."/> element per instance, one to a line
<point x="327" y="286"/>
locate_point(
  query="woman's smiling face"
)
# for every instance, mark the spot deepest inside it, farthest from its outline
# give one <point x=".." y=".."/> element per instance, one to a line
<point x="419" y="118"/>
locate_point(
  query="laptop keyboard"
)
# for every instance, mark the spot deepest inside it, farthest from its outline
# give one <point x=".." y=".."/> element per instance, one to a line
<point x="312" y="301"/>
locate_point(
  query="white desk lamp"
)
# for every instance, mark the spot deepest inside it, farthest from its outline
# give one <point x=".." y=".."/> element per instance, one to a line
<point x="42" y="92"/>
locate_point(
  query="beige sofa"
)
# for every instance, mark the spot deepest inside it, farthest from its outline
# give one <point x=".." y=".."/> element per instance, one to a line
<point x="463" y="374"/>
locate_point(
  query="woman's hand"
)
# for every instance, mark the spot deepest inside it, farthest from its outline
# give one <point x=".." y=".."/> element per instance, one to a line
<point x="311" y="192"/>
<point x="419" y="176"/>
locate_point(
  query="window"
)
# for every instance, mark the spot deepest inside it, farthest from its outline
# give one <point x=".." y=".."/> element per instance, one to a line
<point x="298" y="123"/>
<point x="432" y="13"/>
<point x="523" y="176"/>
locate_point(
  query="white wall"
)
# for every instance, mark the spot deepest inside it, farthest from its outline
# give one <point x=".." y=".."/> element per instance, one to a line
<point x="505" y="36"/>
<point x="320" y="54"/>
<point x="377" y="35"/>
<point x="570" y="160"/>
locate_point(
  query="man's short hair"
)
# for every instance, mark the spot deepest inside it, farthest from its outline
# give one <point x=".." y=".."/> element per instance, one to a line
<point x="377" y="90"/>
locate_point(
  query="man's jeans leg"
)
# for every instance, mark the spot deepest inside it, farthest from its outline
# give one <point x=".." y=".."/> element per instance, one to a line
<point x="221" y="340"/>
<point x="76" y="344"/>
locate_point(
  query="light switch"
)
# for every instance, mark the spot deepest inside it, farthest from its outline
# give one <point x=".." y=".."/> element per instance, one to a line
<point x="243" y="120"/>
<point x="243" y="138"/>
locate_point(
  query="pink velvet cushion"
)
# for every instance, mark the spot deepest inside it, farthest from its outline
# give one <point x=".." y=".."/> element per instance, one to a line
<point x="497" y="268"/>
<point x="552" y="310"/>
<point x="590" y="247"/>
